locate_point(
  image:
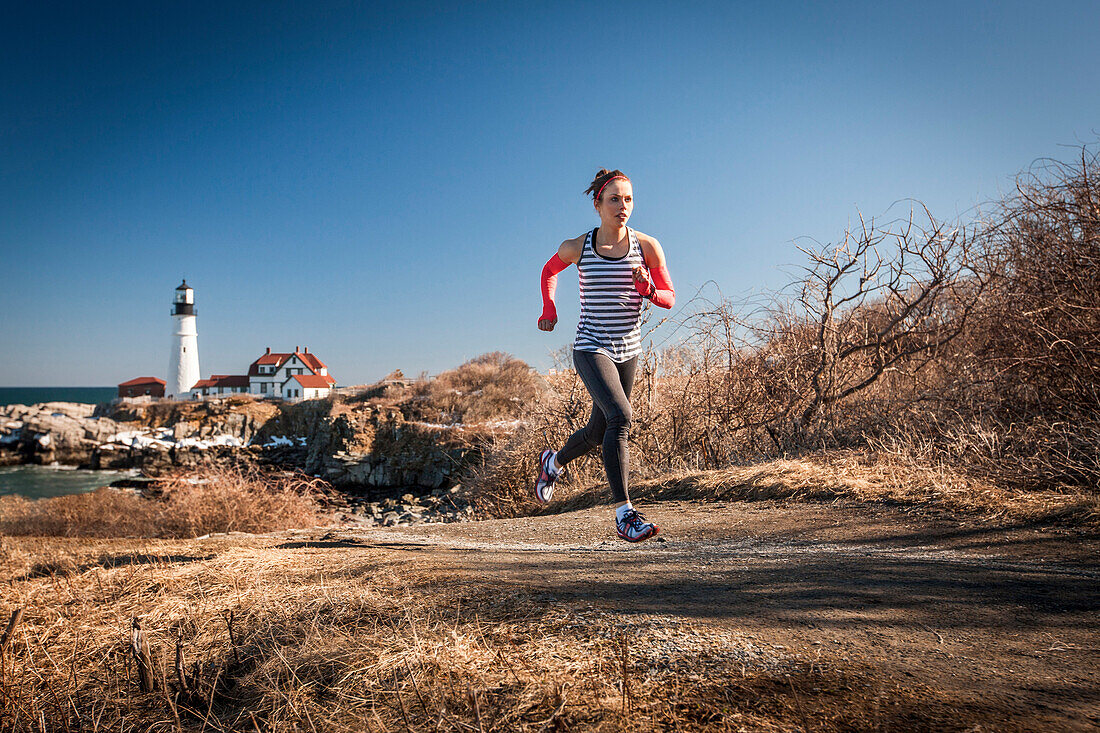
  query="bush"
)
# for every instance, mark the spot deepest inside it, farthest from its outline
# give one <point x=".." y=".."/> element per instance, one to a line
<point x="185" y="505"/>
<point x="493" y="386"/>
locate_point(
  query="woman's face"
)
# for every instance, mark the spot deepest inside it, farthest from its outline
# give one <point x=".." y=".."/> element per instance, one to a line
<point x="616" y="202"/>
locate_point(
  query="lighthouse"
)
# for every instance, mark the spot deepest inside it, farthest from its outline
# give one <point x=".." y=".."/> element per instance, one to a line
<point x="183" y="363"/>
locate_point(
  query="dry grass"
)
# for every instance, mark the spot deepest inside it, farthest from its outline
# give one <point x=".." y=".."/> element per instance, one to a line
<point x="216" y="499"/>
<point x="309" y="635"/>
<point x="854" y="476"/>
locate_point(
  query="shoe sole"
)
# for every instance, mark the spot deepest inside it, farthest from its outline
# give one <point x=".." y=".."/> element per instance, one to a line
<point x="643" y="538"/>
<point x="542" y="470"/>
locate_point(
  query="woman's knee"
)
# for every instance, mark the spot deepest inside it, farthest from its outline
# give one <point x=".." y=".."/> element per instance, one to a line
<point x="619" y="420"/>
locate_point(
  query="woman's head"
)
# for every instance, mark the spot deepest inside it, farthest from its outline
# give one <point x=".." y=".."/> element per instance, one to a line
<point x="612" y="196"/>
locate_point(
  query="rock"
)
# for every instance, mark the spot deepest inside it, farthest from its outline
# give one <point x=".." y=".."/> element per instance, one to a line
<point x="68" y="409"/>
<point x="184" y="429"/>
<point x="64" y="432"/>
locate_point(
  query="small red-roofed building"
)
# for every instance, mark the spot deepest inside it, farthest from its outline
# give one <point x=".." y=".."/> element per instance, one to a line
<point x="307" y="386"/>
<point x="142" y="387"/>
<point x="220" y="384"/>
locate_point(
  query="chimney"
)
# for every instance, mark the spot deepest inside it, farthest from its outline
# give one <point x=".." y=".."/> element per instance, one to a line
<point x="296" y="349"/>
<point x="307" y="349"/>
<point x="268" y="350"/>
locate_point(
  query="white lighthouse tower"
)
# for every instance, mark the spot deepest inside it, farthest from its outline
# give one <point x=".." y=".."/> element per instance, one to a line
<point x="183" y="364"/>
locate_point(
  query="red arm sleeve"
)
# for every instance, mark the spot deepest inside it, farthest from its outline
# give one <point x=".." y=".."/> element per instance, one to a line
<point x="549" y="282"/>
<point x="662" y="294"/>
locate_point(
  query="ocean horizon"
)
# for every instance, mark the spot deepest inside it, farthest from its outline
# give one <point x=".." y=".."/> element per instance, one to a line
<point x="36" y="395"/>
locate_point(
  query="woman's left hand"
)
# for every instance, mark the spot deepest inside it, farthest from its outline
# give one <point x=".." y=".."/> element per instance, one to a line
<point x="642" y="281"/>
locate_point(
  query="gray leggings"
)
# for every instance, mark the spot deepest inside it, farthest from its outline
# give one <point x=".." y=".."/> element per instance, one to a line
<point x="609" y="383"/>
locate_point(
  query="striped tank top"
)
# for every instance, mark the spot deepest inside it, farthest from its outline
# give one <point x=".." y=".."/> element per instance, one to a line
<point x="610" y="321"/>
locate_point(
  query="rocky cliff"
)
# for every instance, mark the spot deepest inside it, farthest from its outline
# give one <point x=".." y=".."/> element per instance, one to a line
<point x="363" y="448"/>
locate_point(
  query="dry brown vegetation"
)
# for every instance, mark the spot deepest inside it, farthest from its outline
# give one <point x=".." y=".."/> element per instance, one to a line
<point x="270" y="634"/>
<point x="862" y="477"/>
<point x="214" y="499"/>
<point x="493" y="386"/>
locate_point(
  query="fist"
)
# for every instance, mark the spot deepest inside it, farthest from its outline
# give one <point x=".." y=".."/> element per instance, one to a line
<point x="547" y="324"/>
<point x="642" y="282"/>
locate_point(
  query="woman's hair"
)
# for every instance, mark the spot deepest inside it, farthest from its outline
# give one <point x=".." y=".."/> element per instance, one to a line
<point x="601" y="180"/>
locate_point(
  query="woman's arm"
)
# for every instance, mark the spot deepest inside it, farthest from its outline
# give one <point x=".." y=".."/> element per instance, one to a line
<point x="658" y="289"/>
<point x="568" y="253"/>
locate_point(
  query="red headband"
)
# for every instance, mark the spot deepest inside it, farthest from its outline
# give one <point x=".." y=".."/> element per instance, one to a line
<point x="609" y="180"/>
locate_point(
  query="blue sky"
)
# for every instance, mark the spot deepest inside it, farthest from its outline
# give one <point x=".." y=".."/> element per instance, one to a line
<point x="382" y="183"/>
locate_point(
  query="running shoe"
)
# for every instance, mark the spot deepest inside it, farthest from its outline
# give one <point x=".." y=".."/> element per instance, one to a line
<point x="634" y="528"/>
<point x="544" y="484"/>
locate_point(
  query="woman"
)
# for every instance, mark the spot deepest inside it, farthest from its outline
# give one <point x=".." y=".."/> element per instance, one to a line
<point x="618" y="267"/>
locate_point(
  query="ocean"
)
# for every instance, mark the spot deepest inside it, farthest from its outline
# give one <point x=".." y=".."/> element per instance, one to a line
<point x="41" y="482"/>
<point x="36" y="482"/>
<point x="34" y="395"/>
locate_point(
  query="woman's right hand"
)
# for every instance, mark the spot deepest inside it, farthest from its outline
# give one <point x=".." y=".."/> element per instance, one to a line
<point x="547" y="324"/>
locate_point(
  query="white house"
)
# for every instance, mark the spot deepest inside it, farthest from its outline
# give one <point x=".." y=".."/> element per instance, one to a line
<point x="290" y="376"/>
<point x="293" y="376"/>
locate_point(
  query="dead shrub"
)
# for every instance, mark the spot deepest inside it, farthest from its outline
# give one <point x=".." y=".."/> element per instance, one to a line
<point x="493" y="386"/>
<point x="503" y="480"/>
<point x="216" y="499"/>
<point x="1033" y="361"/>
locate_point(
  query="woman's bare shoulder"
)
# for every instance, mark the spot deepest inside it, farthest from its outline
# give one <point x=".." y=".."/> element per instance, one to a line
<point x="651" y="248"/>
<point x="570" y="249"/>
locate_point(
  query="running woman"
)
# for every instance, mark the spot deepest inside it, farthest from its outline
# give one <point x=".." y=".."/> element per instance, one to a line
<point x="618" y="267"/>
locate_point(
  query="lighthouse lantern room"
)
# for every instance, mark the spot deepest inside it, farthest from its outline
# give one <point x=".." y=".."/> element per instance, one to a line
<point x="183" y="362"/>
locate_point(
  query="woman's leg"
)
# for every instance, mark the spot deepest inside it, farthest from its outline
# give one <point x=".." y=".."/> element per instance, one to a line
<point x="609" y="384"/>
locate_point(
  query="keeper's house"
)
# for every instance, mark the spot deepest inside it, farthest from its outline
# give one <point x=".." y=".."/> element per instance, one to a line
<point x="220" y="384"/>
<point x="298" y="375"/>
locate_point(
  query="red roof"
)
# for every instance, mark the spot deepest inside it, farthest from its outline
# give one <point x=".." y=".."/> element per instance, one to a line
<point x="278" y="359"/>
<point x="314" y="380"/>
<point x="267" y="360"/>
<point x="223" y="380"/>
<point x="142" y="380"/>
<point x="312" y="361"/>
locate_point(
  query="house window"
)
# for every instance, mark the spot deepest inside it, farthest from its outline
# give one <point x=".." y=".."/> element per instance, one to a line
<point x="263" y="387"/>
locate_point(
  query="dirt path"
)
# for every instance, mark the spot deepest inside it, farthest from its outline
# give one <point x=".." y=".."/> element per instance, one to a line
<point x="993" y="618"/>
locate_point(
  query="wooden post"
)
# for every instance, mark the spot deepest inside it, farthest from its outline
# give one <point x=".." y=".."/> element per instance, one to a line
<point x="181" y="676"/>
<point x="16" y="615"/>
<point x="139" y="645"/>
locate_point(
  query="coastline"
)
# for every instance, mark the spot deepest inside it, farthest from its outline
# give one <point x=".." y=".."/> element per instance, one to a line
<point x="40" y="395"/>
<point x="44" y="482"/>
